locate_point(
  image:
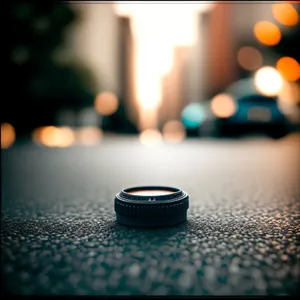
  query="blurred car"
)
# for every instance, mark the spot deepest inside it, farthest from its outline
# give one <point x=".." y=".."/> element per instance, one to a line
<point x="254" y="114"/>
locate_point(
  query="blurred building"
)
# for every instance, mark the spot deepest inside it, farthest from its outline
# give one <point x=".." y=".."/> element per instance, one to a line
<point x="103" y="41"/>
<point x="174" y="87"/>
<point x="197" y="88"/>
<point x="221" y="32"/>
<point x="94" y="40"/>
<point x="127" y="68"/>
<point x="245" y="15"/>
<point x="221" y="41"/>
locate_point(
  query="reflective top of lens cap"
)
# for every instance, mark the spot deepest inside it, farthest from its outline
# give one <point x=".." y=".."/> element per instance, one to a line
<point x="154" y="192"/>
<point x="149" y="193"/>
<point x="151" y="206"/>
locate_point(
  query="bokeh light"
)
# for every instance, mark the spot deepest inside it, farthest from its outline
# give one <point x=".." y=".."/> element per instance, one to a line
<point x="285" y="14"/>
<point x="289" y="68"/>
<point x="150" y="137"/>
<point x="267" y="33"/>
<point x="51" y="136"/>
<point x="174" y="131"/>
<point x="260" y="114"/>
<point x="8" y="135"/>
<point x="289" y="99"/>
<point x="106" y="103"/>
<point x="268" y="81"/>
<point x="193" y="115"/>
<point x="89" y="136"/>
<point x="223" y="105"/>
<point x="249" y="58"/>
<point x="290" y="93"/>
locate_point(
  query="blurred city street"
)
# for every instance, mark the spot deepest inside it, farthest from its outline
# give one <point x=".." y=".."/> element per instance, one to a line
<point x="194" y="70"/>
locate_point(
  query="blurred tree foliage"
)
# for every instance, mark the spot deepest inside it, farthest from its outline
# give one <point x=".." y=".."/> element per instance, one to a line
<point x="37" y="85"/>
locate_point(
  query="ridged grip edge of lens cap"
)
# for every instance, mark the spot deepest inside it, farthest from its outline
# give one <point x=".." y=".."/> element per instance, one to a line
<point x="136" y="205"/>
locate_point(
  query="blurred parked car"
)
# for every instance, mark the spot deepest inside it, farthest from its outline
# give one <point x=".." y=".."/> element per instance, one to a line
<point x="254" y="114"/>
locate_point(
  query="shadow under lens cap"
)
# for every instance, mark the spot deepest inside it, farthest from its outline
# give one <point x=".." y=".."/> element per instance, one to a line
<point x="151" y="206"/>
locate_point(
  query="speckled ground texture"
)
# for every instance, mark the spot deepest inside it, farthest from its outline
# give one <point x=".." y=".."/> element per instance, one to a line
<point x="59" y="234"/>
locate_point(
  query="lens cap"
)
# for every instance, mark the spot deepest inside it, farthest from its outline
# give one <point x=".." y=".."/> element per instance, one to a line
<point x="151" y="206"/>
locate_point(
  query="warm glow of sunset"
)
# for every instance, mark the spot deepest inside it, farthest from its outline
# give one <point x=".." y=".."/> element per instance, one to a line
<point x="157" y="30"/>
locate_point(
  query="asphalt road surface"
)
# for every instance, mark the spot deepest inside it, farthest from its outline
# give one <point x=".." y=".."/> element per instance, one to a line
<point x="59" y="234"/>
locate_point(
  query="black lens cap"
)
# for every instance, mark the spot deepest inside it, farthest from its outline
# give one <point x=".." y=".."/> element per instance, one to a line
<point x="151" y="206"/>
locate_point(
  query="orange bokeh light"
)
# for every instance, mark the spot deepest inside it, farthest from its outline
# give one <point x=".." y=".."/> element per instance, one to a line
<point x="89" y="136"/>
<point x="51" y="136"/>
<point x="223" y="106"/>
<point x="289" y="68"/>
<point x="249" y="58"/>
<point x="150" y="137"/>
<point x="174" y="131"/>
<point x="285" y="14"/>
<point x="267" y="33"/>
<point x="106" y="103"/>
<point x="289" y="99"/>
<point x="8" y="135"/>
